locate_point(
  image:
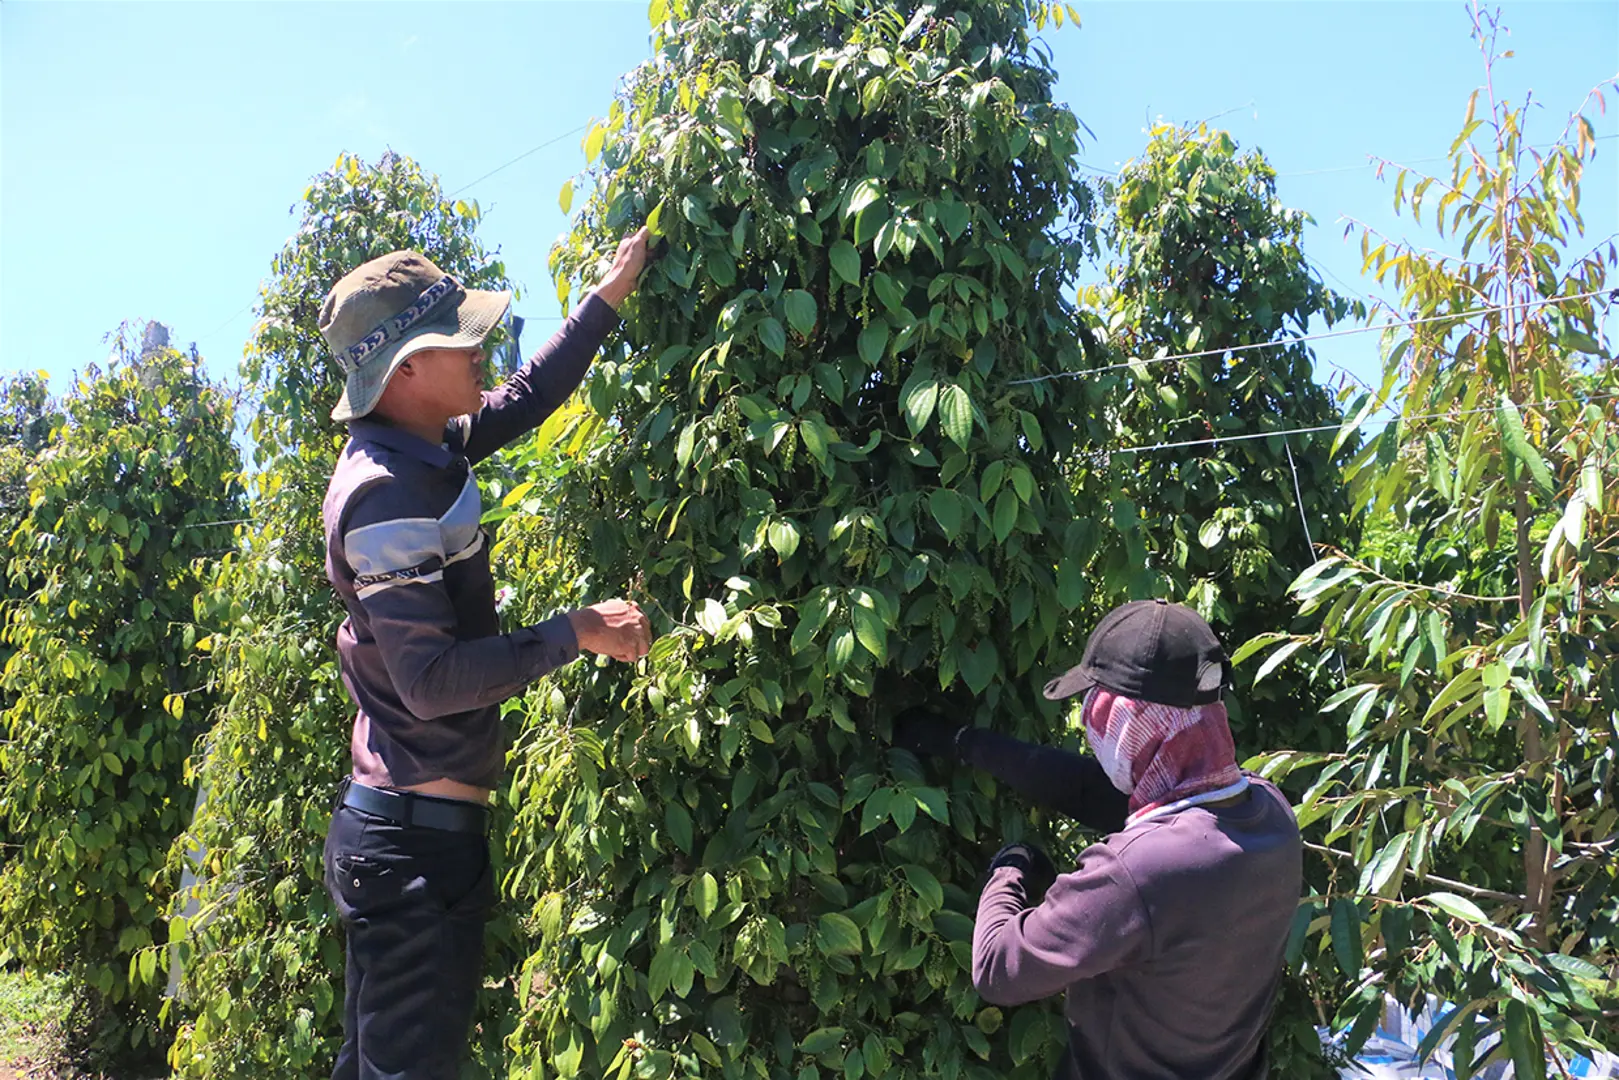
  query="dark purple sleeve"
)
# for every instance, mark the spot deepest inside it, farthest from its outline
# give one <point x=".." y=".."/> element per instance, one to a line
<point x="1074" y="785"/>
<point x="538" y="388"/>
<point x="399" y="573"/>
<point x="1091" y="921"/>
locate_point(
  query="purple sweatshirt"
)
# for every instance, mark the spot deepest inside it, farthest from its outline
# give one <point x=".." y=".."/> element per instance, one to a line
<point x="1168" y="938"/>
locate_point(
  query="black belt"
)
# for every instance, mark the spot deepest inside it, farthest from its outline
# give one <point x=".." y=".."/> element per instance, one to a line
<point x="410" y="808"/>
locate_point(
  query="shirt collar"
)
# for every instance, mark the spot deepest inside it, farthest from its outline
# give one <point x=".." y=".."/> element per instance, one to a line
<point x="371" y="430"/>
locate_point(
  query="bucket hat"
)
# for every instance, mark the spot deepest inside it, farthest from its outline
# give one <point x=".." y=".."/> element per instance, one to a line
<point x="392" y="307"/>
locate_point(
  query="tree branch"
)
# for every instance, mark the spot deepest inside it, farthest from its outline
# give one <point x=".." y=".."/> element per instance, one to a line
<point x="1459" y="886"/>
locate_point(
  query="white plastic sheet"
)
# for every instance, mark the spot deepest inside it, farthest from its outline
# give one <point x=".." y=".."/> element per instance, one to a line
<point x="1391" y="1052"/>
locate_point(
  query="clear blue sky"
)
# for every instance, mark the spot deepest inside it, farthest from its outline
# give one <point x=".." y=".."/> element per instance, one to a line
<point x="150" y="152"/>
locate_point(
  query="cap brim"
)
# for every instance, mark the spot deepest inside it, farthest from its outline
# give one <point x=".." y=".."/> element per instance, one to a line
<point x="1074" y="681"/>
<point x="467" y="324"/>
<point x="1211" y="682"/>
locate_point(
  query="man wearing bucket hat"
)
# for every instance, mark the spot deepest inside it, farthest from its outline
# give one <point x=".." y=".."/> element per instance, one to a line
<point x="1168" y="936"/>
<point x="422" y="652"/>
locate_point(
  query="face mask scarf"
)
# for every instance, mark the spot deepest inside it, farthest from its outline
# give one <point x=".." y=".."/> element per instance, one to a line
<point x="1165" y="758"/>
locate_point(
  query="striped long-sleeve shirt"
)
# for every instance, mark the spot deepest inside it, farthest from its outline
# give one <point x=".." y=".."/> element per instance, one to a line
<point x="421" y="652"/>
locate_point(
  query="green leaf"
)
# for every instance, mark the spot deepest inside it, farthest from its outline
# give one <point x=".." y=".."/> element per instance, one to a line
<point x="1258" y="643"/>
<point x="869" y="629"/>
<point x="875" y="810"/>
<point x="925" y="885"/>
<point x="838" y="935"/>
<point x="677" y="819"/>
<point x="1004" y="518"/>
<point x="1388" y="866"/>
<point x="1303" y="915"/>
<point x="565" y="197"/>
<point x="1465" y="683"/>
<point x="945" y="506"/>
<point x="784" y="537"/>
<point x="821" y="1040"/>
<point x="1277" y="658"/>
<point x="846" y="261"/>
<point x="1071" y="583"/>
<point x="1573" y="965"/>
<point x="1346" y="936"/>
<point x="813" y="434"/>
<point x="711" y="616"/>
<point x="873" y="343"/>
<point x="980" y="665"/>
<point x="934" y="803"/>
<point x="889" y="292"/>
<point x="917" y="398"/>
<point x="772" y="336"/>
<point x="1591" y="484"/>
<point x="956" y="413"/>
<point x="812" y="615"/>
<point x="660" y="971"/>
<point x="1459" y="906"/>
<point x="1436" y="1034"/>
<point x="865" y="192"/>
<point x="705" y="894"/>
<point x="840" y="650"/>
<point x="1523" y="1039"/>
<point x="800" y="308"/>
<point x="1516" y="440"/>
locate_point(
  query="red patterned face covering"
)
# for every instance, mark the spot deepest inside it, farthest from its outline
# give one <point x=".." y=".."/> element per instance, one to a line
<point x="1161" y="756"/>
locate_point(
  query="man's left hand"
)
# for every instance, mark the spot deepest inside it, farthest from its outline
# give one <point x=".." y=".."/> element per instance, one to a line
<point x="927" y="734"/>
<point x="1035" y="865"/>
<point x="628" y="263"/>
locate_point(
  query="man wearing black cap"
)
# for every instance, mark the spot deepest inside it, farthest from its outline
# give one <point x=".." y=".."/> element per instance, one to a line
<point x="1168" y="936"/>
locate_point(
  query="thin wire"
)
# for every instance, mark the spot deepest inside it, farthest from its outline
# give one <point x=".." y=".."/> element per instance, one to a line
<point x="1298" y="497"/>
<point x="1334" y="427"/>
<point x="1411" y="161"/>
<point x="519" y="157"/>
<point x="1228" y="112"/>
<point x="1344" y="168"/>
<point x="227" y="322"/>
<point x="451" y="195"/>
<point x="1311" y="337"/>
<point x="1298" y="494"/>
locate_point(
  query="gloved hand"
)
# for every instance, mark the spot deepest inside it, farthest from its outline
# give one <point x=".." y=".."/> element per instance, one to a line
<point x="1035" y="865"/>
<point x="927" y="734"/>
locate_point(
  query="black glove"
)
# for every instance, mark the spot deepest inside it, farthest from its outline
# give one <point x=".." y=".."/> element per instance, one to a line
<point x="927" y="734"/>
<point x="1034" y="864"/>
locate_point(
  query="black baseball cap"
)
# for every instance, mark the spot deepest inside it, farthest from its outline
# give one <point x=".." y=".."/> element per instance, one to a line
<point x="1151" y="650"/>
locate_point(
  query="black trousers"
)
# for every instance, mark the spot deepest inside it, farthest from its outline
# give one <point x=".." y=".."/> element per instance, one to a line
<point x="414" y="902"/>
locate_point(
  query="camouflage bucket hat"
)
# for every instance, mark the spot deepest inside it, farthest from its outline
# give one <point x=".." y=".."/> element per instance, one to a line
<point x="391" y="308"/>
